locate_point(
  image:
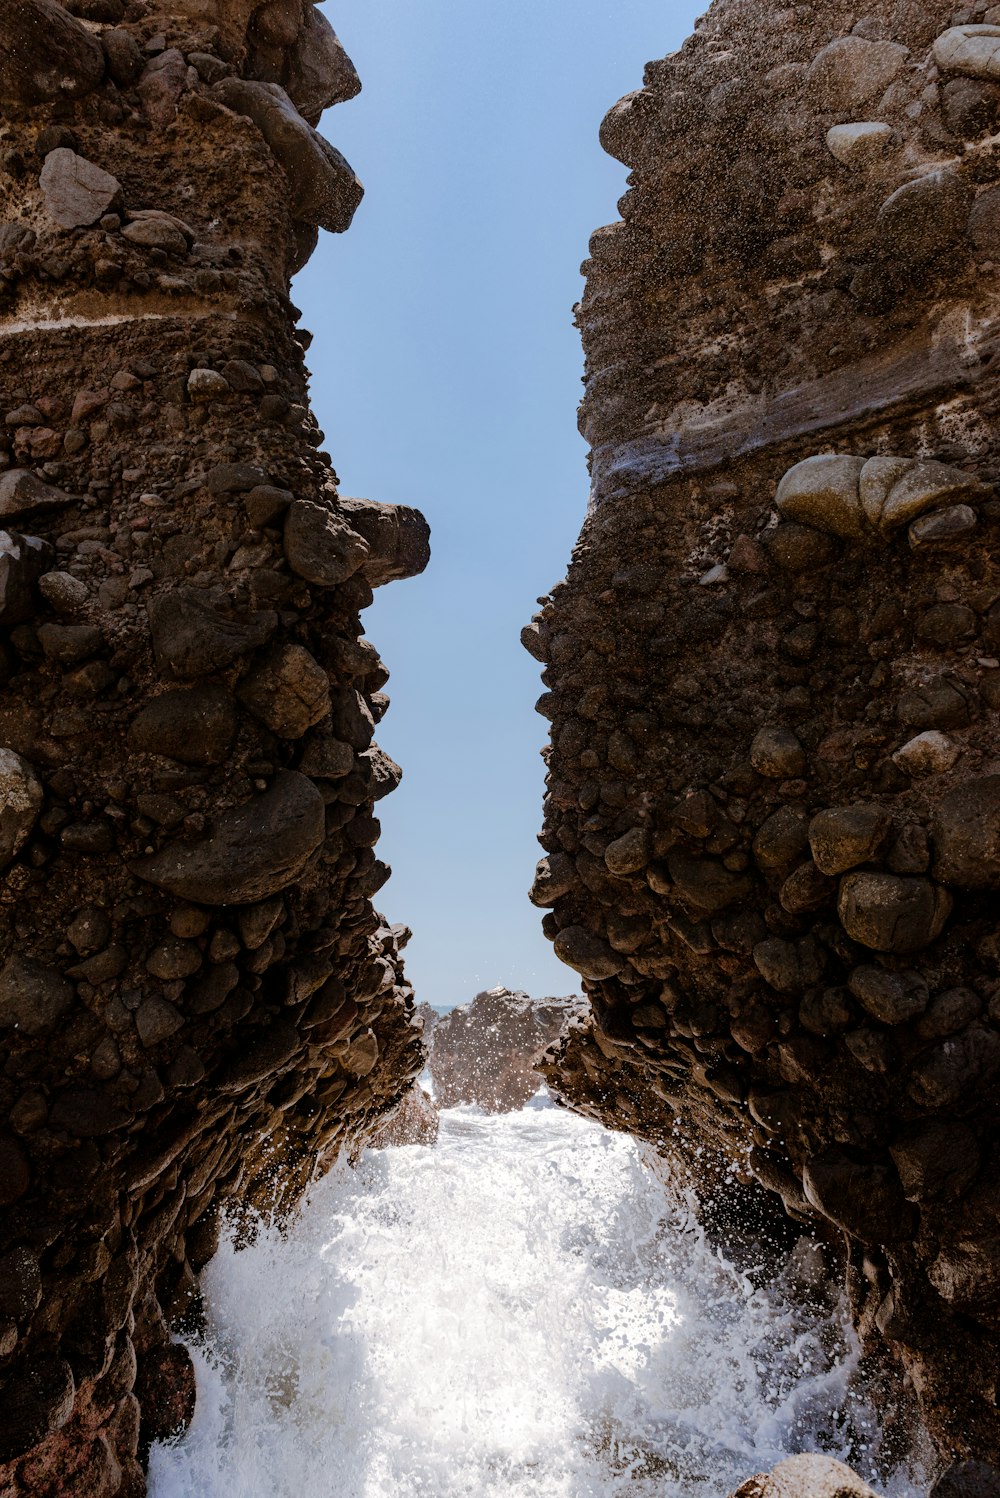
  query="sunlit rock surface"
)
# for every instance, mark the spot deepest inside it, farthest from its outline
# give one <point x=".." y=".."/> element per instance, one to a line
<point x="772" y="831"/>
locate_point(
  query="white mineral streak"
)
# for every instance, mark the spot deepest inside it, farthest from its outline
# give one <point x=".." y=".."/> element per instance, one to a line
<point x="521" y="1312"/>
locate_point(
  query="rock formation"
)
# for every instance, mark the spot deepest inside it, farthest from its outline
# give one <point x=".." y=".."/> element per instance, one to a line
<point x="484" y="1052"/>
<point x="772" y="822"/>
<point x="197" y="998"/>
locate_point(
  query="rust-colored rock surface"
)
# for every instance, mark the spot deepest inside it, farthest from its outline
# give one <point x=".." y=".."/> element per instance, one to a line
<point x="772" y="824"/>
<point x="197" y="999"/>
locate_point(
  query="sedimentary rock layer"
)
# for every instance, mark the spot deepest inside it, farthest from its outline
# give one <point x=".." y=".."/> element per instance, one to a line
<point x="773" y="671"/>
<point x="198" y="1001"/>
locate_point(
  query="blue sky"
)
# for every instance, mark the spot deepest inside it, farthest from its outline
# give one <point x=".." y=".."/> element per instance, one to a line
<point x="446" y="373"/>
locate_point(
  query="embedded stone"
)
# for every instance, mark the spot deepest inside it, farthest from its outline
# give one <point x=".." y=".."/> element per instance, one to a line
<point x="966" y="835"/>
<point x="207" y="385"/>
<point x="320" y="546"/>
<point x="949" y="1012"/>
<point x="67" y="594"/>
<point x="318" y="72"/>
<point x="555" y="876"/>
<point x="922" y="219"/>
<point x="972" y="1479"/>
<point x="21" y="800"/>
<point x="398" y="539"/>
<point x="23" y="493"/>
<point x="892" y="913"/>
<point x="930" y="753"/>
<point x="77" y="193"/>
<point x="629" y="853"/>
<point x="799" y="548"/>
<point x="936" y="1157"/>
<point x="587" y="954"/>
<point x="287" y="689"/>
<point x="788" y="966"/>
<point x="851" y="70"/>
<point x="782" y="839"/>
<point x="705" y="883"/>
<point x="45" y="54"/>
<point x="859" y="146"/>
<point x="325" y="190"/>
<point x="892" y="998"/>
<point x="23" y="560"/>
<point x="20" y="1284"/>
<point x="924" y="486"/>
<point x="38" y="1397"/>
<point x="86" y="1113"/>
<point x="15" y="1173"/>
<point x="193" y="725"/>
<point x="254" y="851"/>
<point x="973" y="51"/>
<point x="33" y="998"/>
<point x="823" y="492"/>
<point x="156" y="1019"/>
<point x="879" y="477"/>
<point x="326" y="758"/>
<point x="777" y="753"/>
<point x="156" y="234"/>
<point x="237" y="478"/>
<point x="952" y="1070"/>
<point x="941" y="527"/>
<point x="940" y="703"/>
<point x="864" y="1198"/>
<point x="263" y="1056"/>
<point x="844" y="836"/>
<point x="191" y="638"/>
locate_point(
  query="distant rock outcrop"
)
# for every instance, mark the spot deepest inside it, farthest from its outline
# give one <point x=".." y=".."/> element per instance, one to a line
<point x="483" y="1052"/>
<point x="772" y="822"/>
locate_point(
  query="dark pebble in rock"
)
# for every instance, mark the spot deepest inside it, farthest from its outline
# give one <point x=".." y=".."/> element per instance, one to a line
<point x="966" y="835"/>
<point x="254" y="851"/>
<point x="191" y="638"/>
<point x="195" y="726"/>
<point x="33" y="998"/>
<point x="320" y="546"/>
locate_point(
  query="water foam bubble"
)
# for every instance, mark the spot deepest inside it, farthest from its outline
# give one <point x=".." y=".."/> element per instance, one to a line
<point x="524" y="1310"/>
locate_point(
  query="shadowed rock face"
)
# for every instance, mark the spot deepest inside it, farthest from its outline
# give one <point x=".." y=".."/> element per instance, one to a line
<point x="773" y="819"/>
<point x="198" y="1001"/>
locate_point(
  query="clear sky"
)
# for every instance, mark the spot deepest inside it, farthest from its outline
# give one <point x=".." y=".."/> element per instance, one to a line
<point x="446" y="373"/>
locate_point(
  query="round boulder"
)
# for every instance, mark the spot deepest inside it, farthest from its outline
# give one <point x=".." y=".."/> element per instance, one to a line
<point x="892" y="913"/>
<point x="21" y="801"/>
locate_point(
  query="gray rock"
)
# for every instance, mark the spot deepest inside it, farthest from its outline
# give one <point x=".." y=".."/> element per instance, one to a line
<point x="950" y="1072"/>
<point x="191" y="638"/>
<point x="21" y="800"/>
<point x="930" y="753"/>
<point x="966" y="835"/>
<point x="66" y="594"/>
<point x="587" y="954"/>
<point x="325" y="190"/>
<point x="46" y="54"/>
<point x="863" y="1197"/>
<point x="809" y="1475"/>
<point x="973" y="51"/>
<point x="195" y="725"/>
<point x="851" y="71"/>
<point x="555" y="876"/>
<point x="156" y="234"/>
<point x="922" y="219"/>
<point x="207" y="385"/>
<point x="254" y="851"/>
<point x="236" y="478"/>
<point x="935" y="1157"/>
<point x="23" y="493"/>
<point x="940" y="703"/>
<point x="777" y="753"/>
<point x="942" y="527"/>
<point x="629" y="853"/>
<point x="823" y="492"/>
<point x="156" y="1020"/>
<point x="23" y="560"/>
<point x="844" y="836"/>
<point x="892" y="998"/>
<point x="892" y="913"/>
<point x="705" y="884"/>
<point x="859" y="146"/>
<point x="77" y="192"/>
<point x="320" y="545"/>
<point x="398" y="539"/>
<point x="287" y="689"/>
<point x="33" y="998"/>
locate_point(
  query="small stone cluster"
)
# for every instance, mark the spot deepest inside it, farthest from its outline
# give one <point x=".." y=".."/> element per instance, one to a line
<point x="772" y="822"/>
<point x="199" y="1004"/>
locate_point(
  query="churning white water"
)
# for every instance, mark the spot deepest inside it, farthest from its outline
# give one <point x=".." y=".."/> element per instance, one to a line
<point x="522" y="1310"/>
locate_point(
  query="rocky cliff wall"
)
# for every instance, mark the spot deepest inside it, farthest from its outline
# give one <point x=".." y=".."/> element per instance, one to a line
<point x="772" y="820"/>
<point x="197" y="998"/>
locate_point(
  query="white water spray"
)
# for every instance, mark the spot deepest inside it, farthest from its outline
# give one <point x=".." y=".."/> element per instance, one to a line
<point x="522" y="1311"/>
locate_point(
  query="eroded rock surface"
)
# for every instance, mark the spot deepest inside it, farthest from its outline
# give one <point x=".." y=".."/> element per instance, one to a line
<point x="198" y="1001"/>
<point x="773" y="672"/>
<point x="484" y="1052"/>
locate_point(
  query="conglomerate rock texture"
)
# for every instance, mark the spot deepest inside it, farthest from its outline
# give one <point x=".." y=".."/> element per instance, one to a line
<point x="773" y="671"/>
<point x="198" y="1002"/>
